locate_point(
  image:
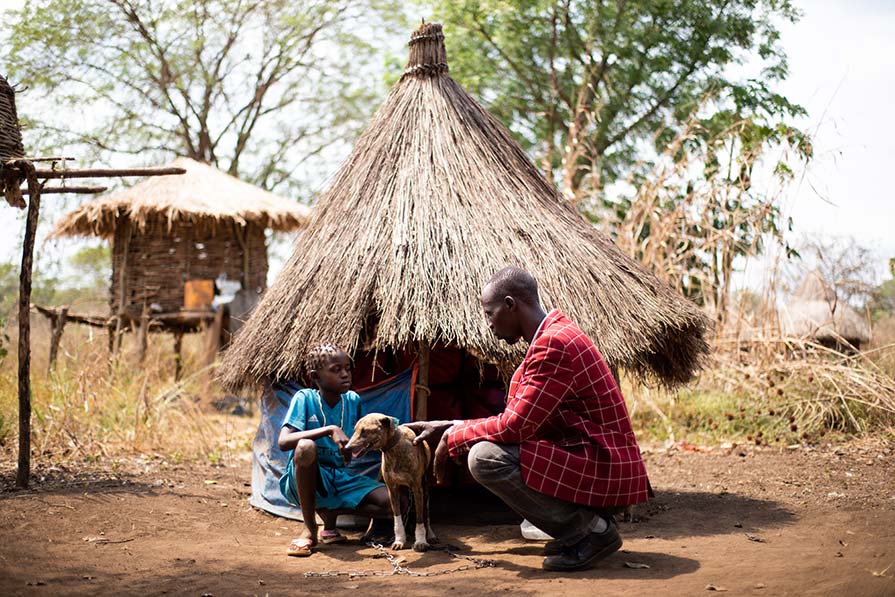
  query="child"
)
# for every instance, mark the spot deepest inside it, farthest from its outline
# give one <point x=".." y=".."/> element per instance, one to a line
<point x="316" y="429"/>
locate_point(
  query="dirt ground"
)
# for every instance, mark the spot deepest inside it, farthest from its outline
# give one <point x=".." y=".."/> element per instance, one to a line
<point x="753" y="521"/>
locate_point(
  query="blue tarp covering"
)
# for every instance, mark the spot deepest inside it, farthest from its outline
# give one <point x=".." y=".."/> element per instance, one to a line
<point x="391" y="397"/>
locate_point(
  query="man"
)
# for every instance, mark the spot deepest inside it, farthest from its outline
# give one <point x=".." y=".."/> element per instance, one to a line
<point x="563" y="451"/>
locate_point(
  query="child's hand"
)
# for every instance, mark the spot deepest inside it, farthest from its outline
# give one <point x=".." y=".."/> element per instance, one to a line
<point x="339" y="436"/>
<point x="341" y="439"/>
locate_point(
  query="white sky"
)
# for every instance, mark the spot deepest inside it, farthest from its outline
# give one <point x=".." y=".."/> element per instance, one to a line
<point x="841" y="70"/>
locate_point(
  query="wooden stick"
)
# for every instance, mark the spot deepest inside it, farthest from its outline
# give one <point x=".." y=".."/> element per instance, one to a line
<point x="108" y="172"/>
<point x="91" y="320"/>
<point x="23" y="474"/>
<point x="122" y="284"/>
<point x="421" y="401"/>
<point x="58" y="322"/>
<point x="143" y="334"/>
<point x="178" y="358"/>
<point x="73" y="190"/>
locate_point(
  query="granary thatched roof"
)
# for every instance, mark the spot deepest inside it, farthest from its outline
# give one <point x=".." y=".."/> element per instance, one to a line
<point x="435" y="198"/>
<point x="815" y="313"/>
<point x="203" y="194"/>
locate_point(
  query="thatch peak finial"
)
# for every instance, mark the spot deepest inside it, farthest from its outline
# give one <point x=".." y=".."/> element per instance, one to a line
<point x="427" y="54"/>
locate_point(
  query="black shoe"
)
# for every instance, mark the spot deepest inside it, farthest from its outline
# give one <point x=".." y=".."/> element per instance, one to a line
<point x="554" y="548"/>
<point x="590" y="550"/>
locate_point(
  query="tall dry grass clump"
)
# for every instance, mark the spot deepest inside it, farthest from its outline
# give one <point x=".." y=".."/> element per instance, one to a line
<point x="693" y="220"/>
<point x="89" y="409"/>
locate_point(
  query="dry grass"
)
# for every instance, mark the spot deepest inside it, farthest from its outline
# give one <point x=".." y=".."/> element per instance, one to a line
<point x="436" y="197"/>
<point x="780" y="390"/>
<point x="87" y="410"/>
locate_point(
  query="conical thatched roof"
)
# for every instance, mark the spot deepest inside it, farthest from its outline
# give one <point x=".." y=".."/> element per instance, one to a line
<point x="434" y="199"/>
<point x="203" y="194"/>
<point x="816" y="314"/>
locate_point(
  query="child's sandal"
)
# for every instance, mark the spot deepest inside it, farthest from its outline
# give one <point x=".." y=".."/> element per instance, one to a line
<point x="328" y="537"/>
<point x="302" y="547"/>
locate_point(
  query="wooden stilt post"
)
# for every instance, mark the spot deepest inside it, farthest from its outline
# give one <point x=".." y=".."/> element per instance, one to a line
<point x="58" y="323"/>
<point x="122" y="286"/>
<point x="178" y="358"/>
<point x="23" y="473"/>
<point x="421" y="401"/>
<point x="143" y="335"/>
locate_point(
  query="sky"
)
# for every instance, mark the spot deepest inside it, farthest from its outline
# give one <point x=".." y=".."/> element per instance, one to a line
<point x="840" y="58"/>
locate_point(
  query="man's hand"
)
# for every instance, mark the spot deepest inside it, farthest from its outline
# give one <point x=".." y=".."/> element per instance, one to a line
<point x="432" y="430"/>
<point x="441" y="456"/>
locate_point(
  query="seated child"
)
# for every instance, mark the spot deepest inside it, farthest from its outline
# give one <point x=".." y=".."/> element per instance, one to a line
<point x="316" y="429"/>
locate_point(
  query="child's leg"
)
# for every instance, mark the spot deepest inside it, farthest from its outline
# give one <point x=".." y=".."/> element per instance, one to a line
<point x="329" y="519"/>
<point x="376" y="504"/>
<point x="305" y="466"/>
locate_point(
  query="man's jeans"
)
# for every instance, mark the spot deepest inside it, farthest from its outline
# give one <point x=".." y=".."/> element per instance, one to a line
<point x="497" y="467"/>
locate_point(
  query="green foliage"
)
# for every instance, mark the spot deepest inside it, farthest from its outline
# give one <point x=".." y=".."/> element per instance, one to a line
<point x="588" y="86"/>
<point x="256" y="88"/>
<point x="882" y="302"/>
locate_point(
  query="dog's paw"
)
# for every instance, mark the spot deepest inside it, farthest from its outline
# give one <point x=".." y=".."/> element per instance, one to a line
<point x="420" y="546"/>
<point x="397" y="545"/>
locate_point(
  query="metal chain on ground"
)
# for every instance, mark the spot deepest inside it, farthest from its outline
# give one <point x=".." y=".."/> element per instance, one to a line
<point x="399" y="570"/>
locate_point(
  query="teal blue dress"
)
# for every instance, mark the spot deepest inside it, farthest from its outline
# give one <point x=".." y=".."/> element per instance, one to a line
<point x="337" y="487"/>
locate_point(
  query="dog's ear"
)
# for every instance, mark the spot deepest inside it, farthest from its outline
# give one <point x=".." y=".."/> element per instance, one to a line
<point x="387" y="423"/>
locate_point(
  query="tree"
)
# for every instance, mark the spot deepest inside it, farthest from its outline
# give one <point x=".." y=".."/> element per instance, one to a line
<point x="256" y="87"/>
<point x="588" y="85"/>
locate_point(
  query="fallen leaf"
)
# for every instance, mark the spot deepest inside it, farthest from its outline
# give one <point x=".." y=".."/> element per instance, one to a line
<point x="838" y="554"/>
<point x="636" y="565"/>
<point x="715" y="588"/>
<point x="760" y="585"/>
<point x="755" y="538"/>
<point x="843" y="543"/>
<point x="210" y="482"/>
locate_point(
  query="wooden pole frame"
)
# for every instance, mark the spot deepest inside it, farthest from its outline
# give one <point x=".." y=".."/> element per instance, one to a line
<point x="23" y="473"/>
<point x="14" y="171"/>
<point x="421" y="399"/>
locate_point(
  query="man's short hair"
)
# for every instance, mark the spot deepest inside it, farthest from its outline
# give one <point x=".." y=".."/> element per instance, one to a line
<point x="517" y="283"/>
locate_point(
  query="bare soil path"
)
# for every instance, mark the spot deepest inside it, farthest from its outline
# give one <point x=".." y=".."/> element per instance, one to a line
<point x="757" y="521"/>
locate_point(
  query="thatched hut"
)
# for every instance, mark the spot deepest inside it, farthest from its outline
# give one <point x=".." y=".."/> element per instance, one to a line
<point x="170" y="230"/>
<point x="436" y="197"/>
<point x="814" y="313"/>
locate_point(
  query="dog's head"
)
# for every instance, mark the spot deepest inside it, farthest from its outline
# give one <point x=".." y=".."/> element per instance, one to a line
<point x="371" y="432"/>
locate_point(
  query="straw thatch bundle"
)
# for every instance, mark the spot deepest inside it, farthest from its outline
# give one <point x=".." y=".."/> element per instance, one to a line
<point x="434" y="199"/>
<point x="816" y="314"/>
<point x="204" y="196"/>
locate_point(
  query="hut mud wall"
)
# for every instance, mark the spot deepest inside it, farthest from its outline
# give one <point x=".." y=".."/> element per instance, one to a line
<point x="154" y="262"/>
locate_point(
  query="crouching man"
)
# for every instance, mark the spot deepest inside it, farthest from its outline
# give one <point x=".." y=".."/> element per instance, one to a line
<point x="562" y="452"/>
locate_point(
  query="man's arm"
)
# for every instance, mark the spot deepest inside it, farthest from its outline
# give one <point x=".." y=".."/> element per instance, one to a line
<point x="544" y="383"/>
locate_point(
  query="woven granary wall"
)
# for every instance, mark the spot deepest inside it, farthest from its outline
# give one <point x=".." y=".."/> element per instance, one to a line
<point x="10" y="133"/>
<point x="159" y="261"/>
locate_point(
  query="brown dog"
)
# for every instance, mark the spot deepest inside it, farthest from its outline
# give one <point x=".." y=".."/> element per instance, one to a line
<point x="403" y="464"/>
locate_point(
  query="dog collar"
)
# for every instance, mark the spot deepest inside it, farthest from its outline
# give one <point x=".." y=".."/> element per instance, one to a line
<point x="392" y="442"/>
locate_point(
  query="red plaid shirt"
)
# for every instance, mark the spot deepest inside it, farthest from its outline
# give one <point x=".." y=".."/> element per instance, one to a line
<point x="570" y="419"/>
